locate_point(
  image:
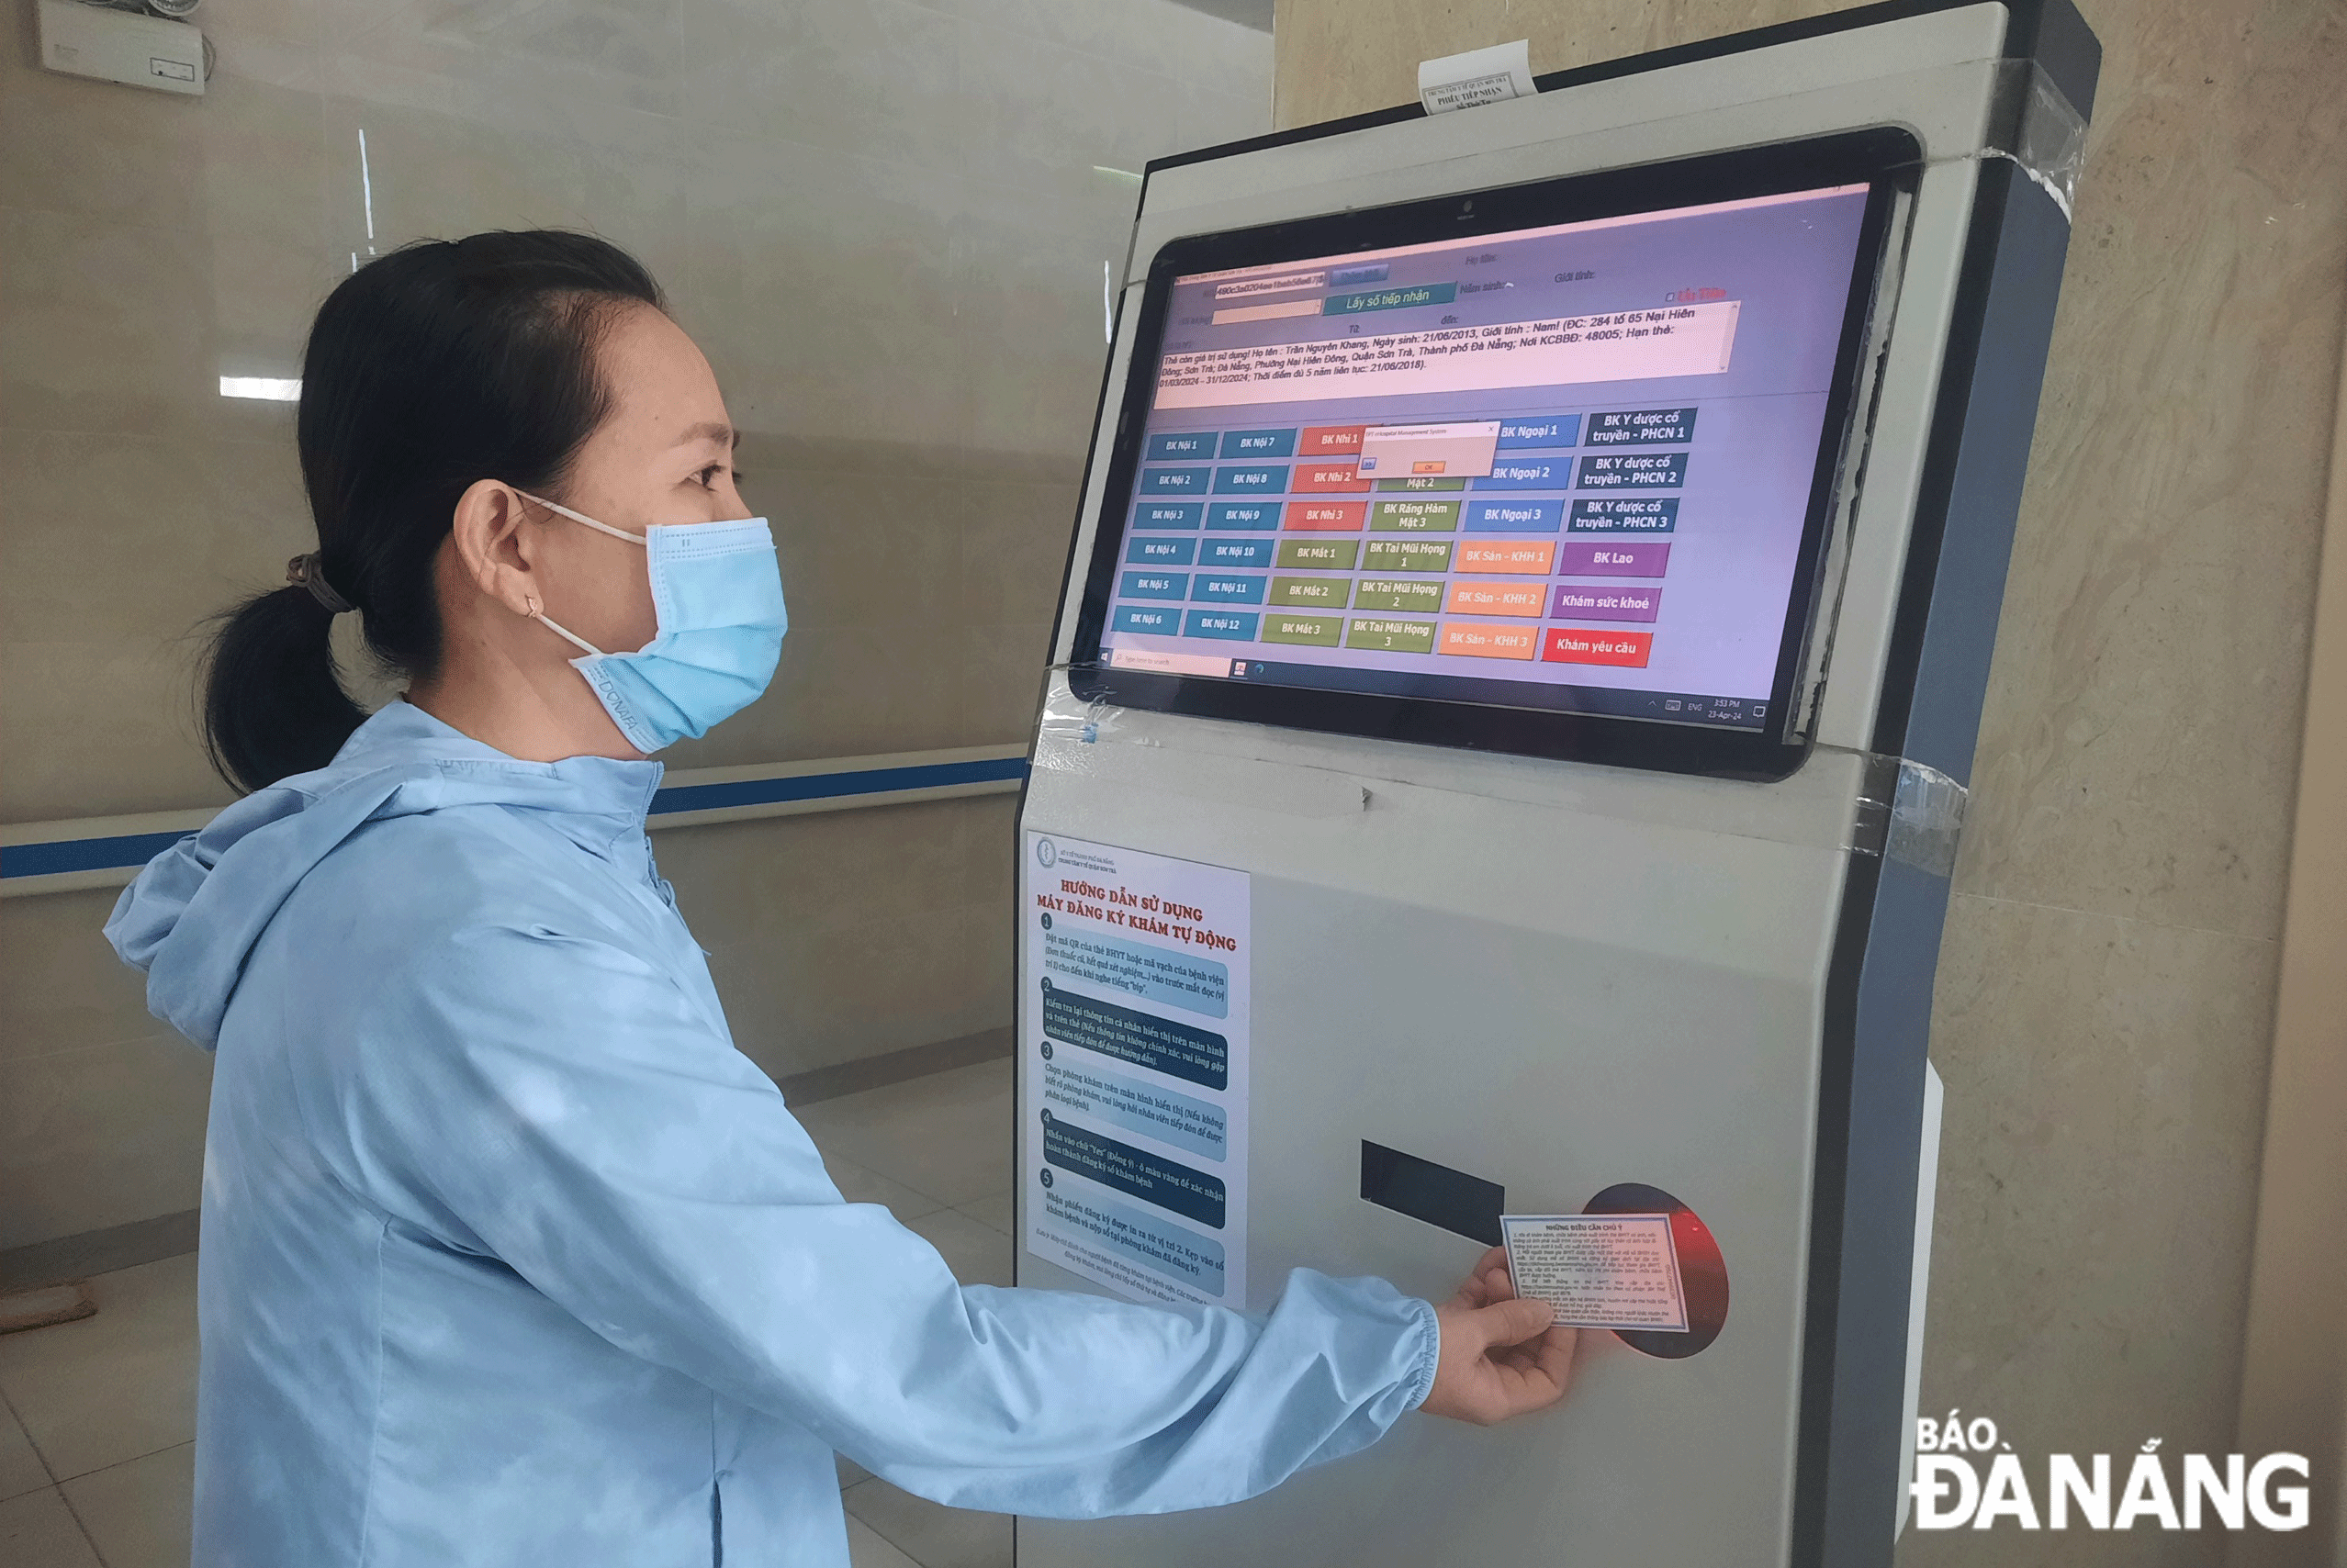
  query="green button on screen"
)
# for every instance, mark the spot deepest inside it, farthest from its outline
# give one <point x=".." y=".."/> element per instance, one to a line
<point x="1414" y="517"/>
<point x="1319" y="630"/>
<point x="1323" y="554"/>
<point x="1310" y="593"/>
<point x="1391" y="637"/>
<point x="1407" y="555"/>
<point x="1394" y="593"/>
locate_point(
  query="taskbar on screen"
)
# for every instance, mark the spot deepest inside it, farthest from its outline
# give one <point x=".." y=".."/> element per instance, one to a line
<point x="1597" y="701"/>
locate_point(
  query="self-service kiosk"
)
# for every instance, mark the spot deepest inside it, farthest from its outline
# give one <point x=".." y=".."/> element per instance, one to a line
<point x="1523" y="641"/>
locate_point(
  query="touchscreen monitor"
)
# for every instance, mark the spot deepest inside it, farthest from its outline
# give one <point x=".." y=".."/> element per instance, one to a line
<point x="1543" y="469"/>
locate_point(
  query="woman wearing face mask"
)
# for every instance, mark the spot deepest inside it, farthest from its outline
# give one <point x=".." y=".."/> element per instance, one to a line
<point x="508" y="1256"/>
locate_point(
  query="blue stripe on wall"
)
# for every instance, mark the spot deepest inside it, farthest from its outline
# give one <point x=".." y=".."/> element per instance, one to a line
<point x="831" y="786"/>
<point x="138" y="848"/>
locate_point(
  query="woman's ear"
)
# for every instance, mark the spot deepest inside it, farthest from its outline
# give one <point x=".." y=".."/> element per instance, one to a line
<point x="496" y="548"/>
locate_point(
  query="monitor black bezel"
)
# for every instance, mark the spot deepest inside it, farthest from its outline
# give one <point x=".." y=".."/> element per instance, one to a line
<point x="1883" y="158"/>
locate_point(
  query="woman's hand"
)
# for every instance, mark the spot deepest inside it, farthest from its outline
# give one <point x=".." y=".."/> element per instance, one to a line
<point x="1499" y="1356"/>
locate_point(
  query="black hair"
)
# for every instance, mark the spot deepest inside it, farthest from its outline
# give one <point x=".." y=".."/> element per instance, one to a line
<point x="443" y="363"/>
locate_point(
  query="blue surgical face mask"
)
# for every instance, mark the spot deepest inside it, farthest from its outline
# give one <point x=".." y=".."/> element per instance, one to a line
<point x="717" y="591"/>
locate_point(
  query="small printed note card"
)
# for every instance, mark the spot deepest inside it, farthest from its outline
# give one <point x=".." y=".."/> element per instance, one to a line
<point x="1599" y="1271"/>
<point x="1479" y="77"/>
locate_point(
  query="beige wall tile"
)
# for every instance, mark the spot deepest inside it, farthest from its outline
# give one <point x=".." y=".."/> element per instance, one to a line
<point x="95" y="728"/>
<point x="2142" y="725"/>
<point x="86" y="147"/>
<point x="91" y="511"/>
<point x="842" y="935"/>
<point x="98" y="333"/>
<point x="61" y="985"/>
<point x="2106" y="1087"/>
<point x="821" y="284"/>
<point x="98" y="1136"/>
<point x="879" y="79"/>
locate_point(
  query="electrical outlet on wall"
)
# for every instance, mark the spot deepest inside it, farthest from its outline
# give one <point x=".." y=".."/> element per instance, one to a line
<point x="117" y="46"/>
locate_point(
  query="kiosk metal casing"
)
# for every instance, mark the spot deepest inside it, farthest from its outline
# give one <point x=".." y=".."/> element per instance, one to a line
<point x="1557" y="975"/>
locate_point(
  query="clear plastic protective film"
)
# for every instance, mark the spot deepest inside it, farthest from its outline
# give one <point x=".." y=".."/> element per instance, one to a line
<point x="2033" y="126"/>
<point x="1904" y="810"/>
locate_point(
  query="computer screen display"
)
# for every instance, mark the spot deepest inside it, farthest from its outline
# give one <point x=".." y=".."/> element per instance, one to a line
<point x="1578" y="467"/>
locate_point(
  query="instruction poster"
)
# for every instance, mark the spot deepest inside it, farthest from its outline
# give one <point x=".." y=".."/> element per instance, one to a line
<point x="1134" y="1044"/>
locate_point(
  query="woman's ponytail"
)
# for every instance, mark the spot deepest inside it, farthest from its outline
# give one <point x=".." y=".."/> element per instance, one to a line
<point x="428" y="370"/>
<point x="273" y="702"/>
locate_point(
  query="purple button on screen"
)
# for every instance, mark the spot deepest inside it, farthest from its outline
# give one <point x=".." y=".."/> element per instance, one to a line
<point x="1576" y="601"/>
<point x="1606" y="560"/>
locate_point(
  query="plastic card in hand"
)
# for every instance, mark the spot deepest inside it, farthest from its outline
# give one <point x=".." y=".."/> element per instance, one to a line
<point x="1599" y="1271"/>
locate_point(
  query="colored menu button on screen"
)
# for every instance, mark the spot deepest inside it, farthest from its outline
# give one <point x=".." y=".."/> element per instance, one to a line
<point x="1174" y="481"/>
<point x="1329" y="479"/>
<point x="1527" y="474"/>
<point x="1238" y="626"/>
<point x="1407" y="554"/>
<point x="1514" y="557"/>
<point x="1576" y="601"/>
<point x="1241" y="552"/>
<point x="1245" y="516"/>
<point x="1624" y="514"/>
<point x="1551" y="429"/>
<point x="1148" y="618"/>
<point x="1224" y="589"/>
<point x="1639" y="427"/>
<point x="1314" y="631"/>
<point x="1584" y="558"/>
<point x="1391" y="636"/>
<point x="1259" y="444"/>
<point x="1398" y="593"/>
<point x="1633" y="470"/>
<point x="1516" y="517"/>
<point x="1480" y="642"/>
<point x="1154" y="585"/>
<point x="1327" y="516"/>
<point x="1258" y="479"/>
<point x="1327" y="555"/>
<point x="1186" y="443"/>
<point x="1414" y="517"/>
<point x="1168" y="514"/>
<point x="1316" y="593"/>
<point x="1497" y="599"/>
<point x="1148" y="552"/>
<point x="1328" y="441"/>
<point x="1571" y="645"/>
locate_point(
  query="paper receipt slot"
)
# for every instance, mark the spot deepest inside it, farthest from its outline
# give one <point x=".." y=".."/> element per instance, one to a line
<point x="1523" y="644"/>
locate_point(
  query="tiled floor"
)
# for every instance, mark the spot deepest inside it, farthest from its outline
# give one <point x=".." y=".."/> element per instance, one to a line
<point x="95" y="1451"/>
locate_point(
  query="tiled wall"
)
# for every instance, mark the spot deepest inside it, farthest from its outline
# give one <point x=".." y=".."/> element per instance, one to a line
<point x="2105" y="997"/>
<point x="885" y="221"/>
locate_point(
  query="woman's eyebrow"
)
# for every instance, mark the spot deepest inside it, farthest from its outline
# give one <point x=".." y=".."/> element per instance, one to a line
<point x="725" y="436"/>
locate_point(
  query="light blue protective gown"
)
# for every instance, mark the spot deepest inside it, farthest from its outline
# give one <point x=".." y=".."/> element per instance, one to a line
<point x="510" y="1257"/>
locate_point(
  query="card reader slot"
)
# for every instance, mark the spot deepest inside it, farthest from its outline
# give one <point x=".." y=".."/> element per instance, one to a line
<point x="1464" y="1204"/>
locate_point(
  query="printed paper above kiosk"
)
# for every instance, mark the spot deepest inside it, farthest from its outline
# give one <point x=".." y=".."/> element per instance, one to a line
<point x="1532" y="562"/>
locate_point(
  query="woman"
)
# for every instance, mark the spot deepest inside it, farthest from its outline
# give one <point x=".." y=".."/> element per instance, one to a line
<point x="508" y="1256"/>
